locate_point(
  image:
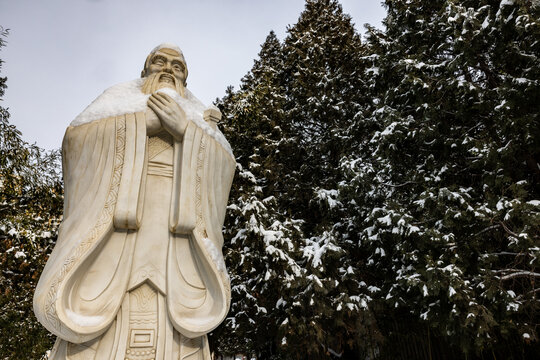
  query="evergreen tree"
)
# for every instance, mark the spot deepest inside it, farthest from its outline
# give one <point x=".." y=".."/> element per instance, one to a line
<point x="296" y="293"/>
<point x="445" y="196"/>
<point x="30" y="211"/>
<point x="259" y="250"/>
<point x="326" y="96"/>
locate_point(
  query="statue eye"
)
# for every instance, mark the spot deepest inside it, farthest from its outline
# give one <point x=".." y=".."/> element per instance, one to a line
<point x="178" y="67"/>
<point x="158" y="61"/>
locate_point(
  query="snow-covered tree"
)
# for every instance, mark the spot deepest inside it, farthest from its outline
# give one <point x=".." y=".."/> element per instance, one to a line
<point x="260" y="251"/>
<point x="30" y="210"/>
<point x="326" y="97"/>
<point x="296" y="291"/>
<point x="445" y="195"/>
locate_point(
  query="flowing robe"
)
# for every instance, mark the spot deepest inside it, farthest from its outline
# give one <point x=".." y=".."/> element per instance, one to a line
<point x="83" y="293"/>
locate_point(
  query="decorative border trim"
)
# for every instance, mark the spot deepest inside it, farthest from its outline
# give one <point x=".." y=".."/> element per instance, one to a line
<point x="199" y="224"/>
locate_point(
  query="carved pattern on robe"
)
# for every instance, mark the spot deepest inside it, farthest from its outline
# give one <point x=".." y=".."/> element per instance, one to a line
<point x="104" y="219"/>
<point x="158" y="144"/>
<point x="201" y="226"/>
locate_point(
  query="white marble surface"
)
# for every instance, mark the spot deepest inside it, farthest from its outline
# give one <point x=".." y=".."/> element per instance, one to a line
<point x="137" y="271"/>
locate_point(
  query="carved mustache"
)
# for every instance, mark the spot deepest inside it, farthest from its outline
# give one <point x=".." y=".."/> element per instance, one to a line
<point x="166" y="77"/>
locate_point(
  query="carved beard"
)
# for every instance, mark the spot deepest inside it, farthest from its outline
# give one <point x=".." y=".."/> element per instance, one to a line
<point x="152" y="83"/>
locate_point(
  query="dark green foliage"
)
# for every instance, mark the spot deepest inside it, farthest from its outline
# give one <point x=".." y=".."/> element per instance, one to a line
<point x="288" y="125"/>
<point x="448" y="207"/>
<point x="326" y="96"/>
<point x="30" y="211"/>
<point x="409" y="168"/>
<point x="259" y="251"/>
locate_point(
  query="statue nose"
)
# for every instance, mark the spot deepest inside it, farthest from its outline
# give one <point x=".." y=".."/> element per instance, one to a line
<point x="168" y="67"/>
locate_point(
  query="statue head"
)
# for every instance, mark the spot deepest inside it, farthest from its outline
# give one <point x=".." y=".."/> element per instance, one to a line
<point x="165" y="66"/>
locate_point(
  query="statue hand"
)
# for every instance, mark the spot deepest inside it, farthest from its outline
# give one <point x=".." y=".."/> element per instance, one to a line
<point x="153" y="124"/>
<point x="172" y="117"/>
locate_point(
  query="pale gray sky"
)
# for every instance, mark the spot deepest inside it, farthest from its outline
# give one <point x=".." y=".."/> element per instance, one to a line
<point x="61" y="54"/>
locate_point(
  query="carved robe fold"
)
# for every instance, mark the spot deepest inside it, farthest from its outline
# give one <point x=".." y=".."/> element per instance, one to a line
<point x="99" y="270"/>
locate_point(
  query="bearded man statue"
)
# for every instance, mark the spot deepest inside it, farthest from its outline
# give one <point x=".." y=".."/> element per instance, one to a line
<point x="137" y="271"/>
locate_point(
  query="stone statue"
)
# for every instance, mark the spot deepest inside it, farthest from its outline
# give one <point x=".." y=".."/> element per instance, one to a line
<point x="137" y="272"/>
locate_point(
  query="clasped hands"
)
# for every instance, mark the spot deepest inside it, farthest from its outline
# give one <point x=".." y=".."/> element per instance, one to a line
<point x="170" y="114"/>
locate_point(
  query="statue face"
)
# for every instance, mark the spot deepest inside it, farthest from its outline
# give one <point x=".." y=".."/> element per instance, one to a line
<point x="168" y="67"/>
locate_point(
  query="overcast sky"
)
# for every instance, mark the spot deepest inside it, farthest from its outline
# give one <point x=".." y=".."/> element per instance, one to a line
<point x="61" y="54"/>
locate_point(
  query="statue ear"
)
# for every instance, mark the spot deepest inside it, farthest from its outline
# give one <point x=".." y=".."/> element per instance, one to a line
<point x="143" y="73"/>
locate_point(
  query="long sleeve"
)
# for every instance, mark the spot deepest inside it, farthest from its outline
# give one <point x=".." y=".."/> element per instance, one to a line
<point x="197" y="214"/>
<point x="72" y="300"/>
